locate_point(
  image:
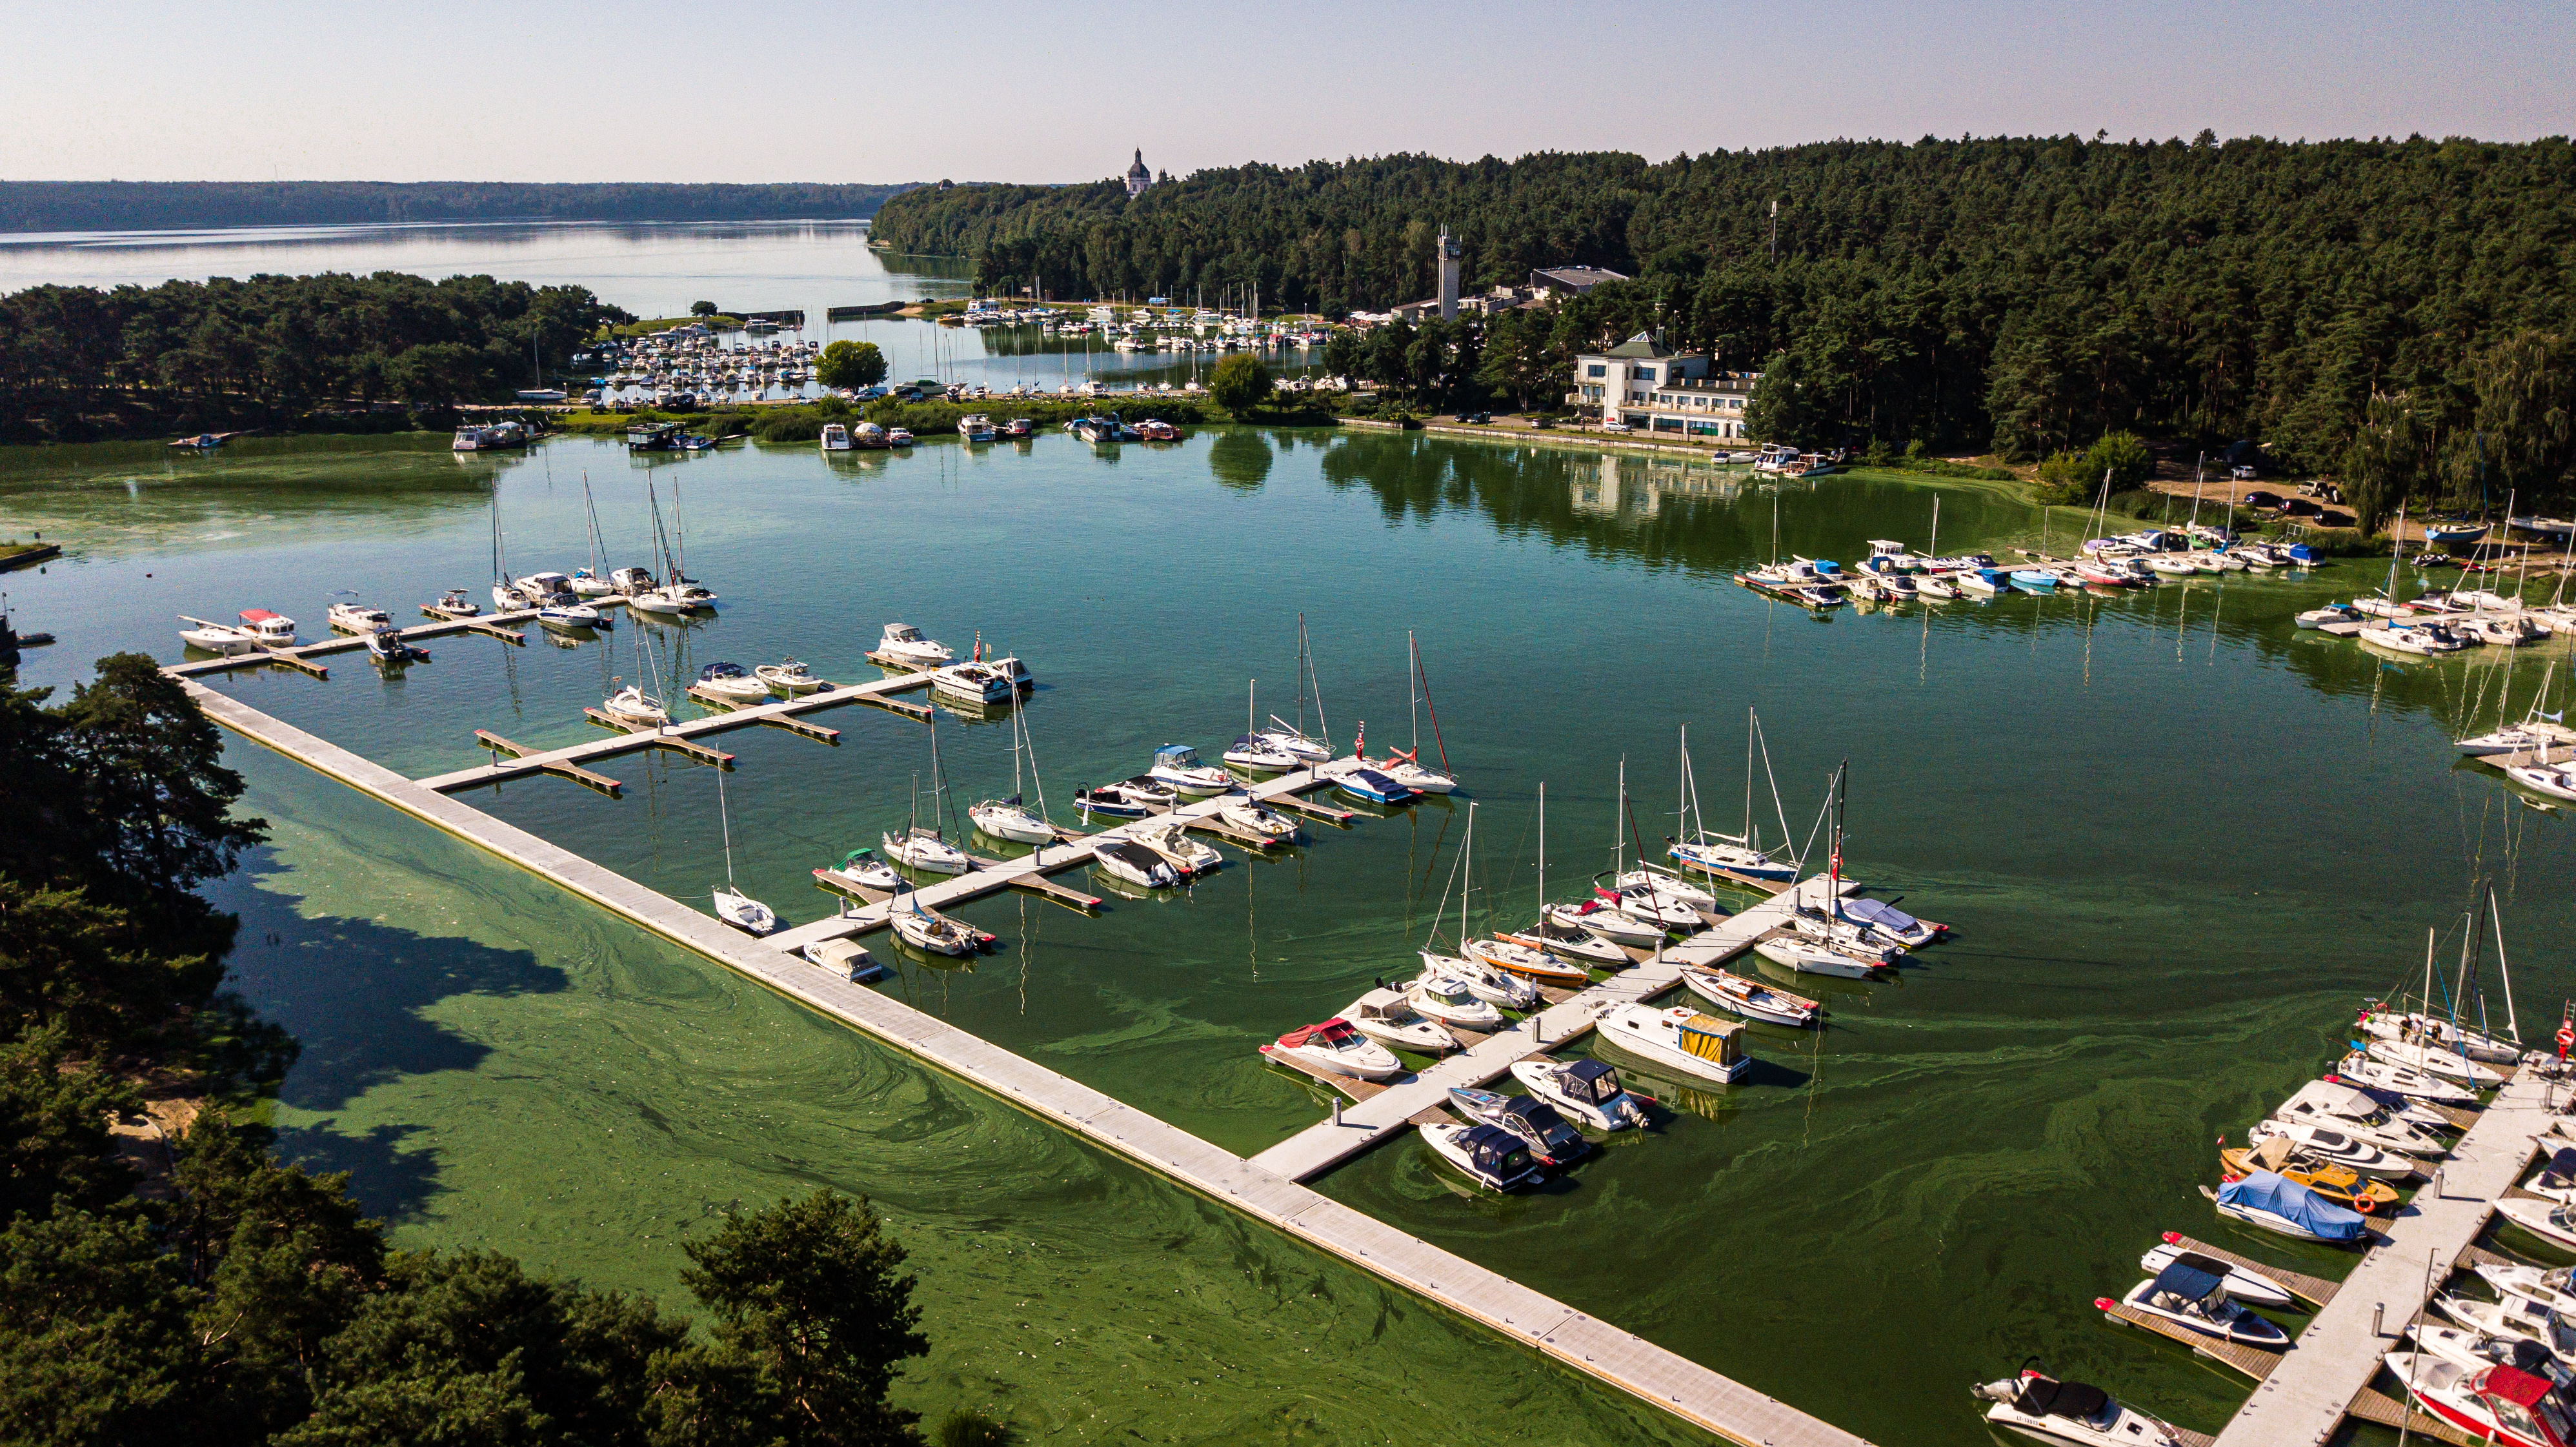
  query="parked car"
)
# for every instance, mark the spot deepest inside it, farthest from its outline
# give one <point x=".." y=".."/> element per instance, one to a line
<point x="1617" y="427"/>
<point x="2242" y="472"/>
<point x="1542" y="422"/>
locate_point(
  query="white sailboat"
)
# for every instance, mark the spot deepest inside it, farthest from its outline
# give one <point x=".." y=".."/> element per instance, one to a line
<point x="1011" y="818"/>
<point x="1293" y="740"/>
<point x="920" y="847"/>
<point x="1472" y="968"/>
<point x="1739" y="855"/>
<point x="732" y="905"/>
<point x="1406" y="768"/>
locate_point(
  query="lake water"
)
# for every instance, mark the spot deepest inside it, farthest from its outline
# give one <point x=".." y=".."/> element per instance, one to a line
<point x="2177" y="838"/>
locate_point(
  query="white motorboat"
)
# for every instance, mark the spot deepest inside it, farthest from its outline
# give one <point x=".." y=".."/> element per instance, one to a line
<point x="920" y="847"/>
<point x="633" y="705"/>
<point x="566" y="617"/>
<point x="2359" y="1069"/>
<point x="1751" y="998"/>
<point x="1258" y="819"/>
<point x="904" y="644"/>
<point x="1886" y="924"/>
<point x="2549" y="1287"/>
<point x="1010" y="819"/>
<point x="1595" y="918"/>
<point x="2556" y="1178"/>
<point x="1188" y="856"/>
<point x="2437" y="1061"/>
<point x="732" y="681"/>
<point x="662" y="602"/>
<point x="789" y="676"/>
<point x="2416" y="1026"/>
<point x="630" y="581"/>
<point x="2328" y="1146"/>
<point x="863" y="867"/>
<point x="1680" y="1039"/>
<point x="979" y="683"/>
<point x="2361" y="1115"/>
<point x="2517" y="1317"/>
<point x="1129" y="799"/>
<point x="1810" y="958"/>
<point x="1560" y="956"/>
<point x="1494" y="1157"/>
<point x="2197" y="1301"/>
<point x="2412" y="640"/>
<point x="386" y="645"/>
<point x="2243" y="1284"/>
<point x="212" y="637"/>
<point x="847" y="959"/>
<point x="1498" y="987"/>
<point x="1177" y="767"/>
<point x="934" y="932"/>
<point x="835" y="438"/>
<point x="455" y="604"/>
<point x="1447" y="1000"/>
<point x="1257" y="753"/>
<point x="1934" y="585"/>
<point x="2493" y="1404"/>
<point x="1128" y="860"/>
<point x="1386" y="1016"/>
<point x="1335" y="1046"/>
<point x="2070" y="1414"/>
<point x="357" y="617"/>
<point x="744" y="912"/>
<point x="1552" y="1140"/>
<point x="1587" y="1090"/>
<point x="2477" y="1350"/>
<point x="2551" y="1221"/>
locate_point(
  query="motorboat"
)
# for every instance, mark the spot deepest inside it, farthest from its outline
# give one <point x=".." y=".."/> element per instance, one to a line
<point x="1133" y="862"/>
<point x="356" y="618"/>
<point x="1446" y="1000"/>
<point x="1549" y="953"/>
<point x="2359" y="1115"/>
<point x="2243" y="1283"/>
<point x="1010" y="819"/>
<point x="568" y="615"/>
<point x="2276" y="1203"/>
<point x="1131" y="799"/>
<point x="2339" y="1184"/>
<point x="1386" y="1016"/>
<point x="2197" y="1301"/>
<point x="898" y="437"/>
<point x="975" y="427"/>
<point x="1257" y="753"/>
<point x="2475" y="1350"/>
<point x="1372" y="786"/>
<point x="2500" y="1405"/>
<point x="2438" y="1061"/>
<point x="863" y="867"/>
<point x="1188" y="856"/>
<point x="920" y="847"/>
<point x="2500" y="630"/>
<point x="973" y="683"/>
<point x="630" y="581"/>
<point x="2359" y="1069"/>
<point x="1729" y="854"/>
<point x="732" y="681"/>
<point x="456" y="603"/>
<point x="2551" y="1221"/>
<point x="788" y="676"/>
<point x="1498" y="987"/>
<point x="933" y="932"/>
<point x="845" y="958"/>
<point x="2034" y="580"/>
<point x="633" y="705"/>
<point x="1546" y="1135"/>
<point x="2556" y="1178"/>
<point x="1177" y="767"/>
<point x="835" y="438"/>
<point x="1588" y="1091"/>
<point x="1495" y="1158"/>
<point x="1335" y="1046"/>
<point x="1750" y="998"/>
<point x="387" y="645"/>
<point x="1598" y="919"/>
<point x="1258" y="819"/>
<point x="2517" y="1317"/>
<point x="744" y="912"/>
<point x="1984" y="582"/>
<point x="2552" y="1288"/>
<point x="2070" y="1414"/>
<point x="1933" y="585"/>
<point x="221" y="638"/>
<point x="1679" y="1039"/>
<point x="904" y="644"/>
<point x="2414" y="1025"/>
<point x="1886" y="923"/>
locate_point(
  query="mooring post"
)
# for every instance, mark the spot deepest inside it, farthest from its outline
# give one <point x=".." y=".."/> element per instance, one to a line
<point x="2378" y="1309"/>
<point x="1337" y="1111"/>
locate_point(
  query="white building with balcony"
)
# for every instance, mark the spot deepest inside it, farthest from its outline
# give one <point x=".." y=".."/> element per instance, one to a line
<point x="1653" y="388"/>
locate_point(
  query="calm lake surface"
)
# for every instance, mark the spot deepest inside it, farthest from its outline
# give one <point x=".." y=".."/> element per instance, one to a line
<point x="2178" y="841"/>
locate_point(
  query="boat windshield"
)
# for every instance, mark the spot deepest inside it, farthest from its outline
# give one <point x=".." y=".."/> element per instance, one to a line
<point x="1590" y="1080"/>
<point x="901" y="633"/>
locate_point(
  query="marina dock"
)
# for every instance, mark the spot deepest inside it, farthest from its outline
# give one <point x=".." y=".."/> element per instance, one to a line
<point x="1580" y="1341"/>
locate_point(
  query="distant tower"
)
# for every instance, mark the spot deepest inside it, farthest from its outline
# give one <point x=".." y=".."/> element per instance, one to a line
<point x="1448" y="275"/>
<point x="1138" y="178"/>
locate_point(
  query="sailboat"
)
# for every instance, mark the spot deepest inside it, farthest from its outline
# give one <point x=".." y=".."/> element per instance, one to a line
<point x="1820" y="944"/>
<point x="1406" y="767"/>
<point x="1009" y="818"/>
<point x="681" y="594"/>
<point x="1733" y="856"/>
<point x="590" y="582"/>
<point x="631" y="704"/>
<point x="732" y="905"/>
<point x="1294" y="740"/>
<point x="1549" y="952"/>
<point x="506" y="595"/>
<point x="1486" y="981"/>
<point x="921" y="848"/>
<point x="1649" y="899"/>
<point x="1253" y="750"/>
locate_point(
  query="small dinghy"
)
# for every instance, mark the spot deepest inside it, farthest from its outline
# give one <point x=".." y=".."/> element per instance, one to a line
<point x="1133" y="799"/>
<point x="2246" y="1286"/>
<point x="1388" y="1018"/>
<point x="1188" y="856"/>
<point x="1335" y="1046"/>
<point x="2072" y="1414"/>
<point x="1547" y="1136"/>
<point x="933" y="932"/>
<point x="732" y="681"/>
<point x="1751" y="998"/>
<point x="1259" y="819"/>
<point x="633" y="705"/>
<point x="1680" y="1039"/>
<point x="2502" y="1405"/>
<point x="1447" y="1000"/>
<point x="2359" y="1069"/>
<point x="1177" y="768"/>
<point x="744" y="912"/>
<point x="1493" y="986"/>
<point x="2196" y="1300"/>
<point x="920" y="847"/>
<point x="2551" y="1221"/>
<point x="1135" y="863"/>
<point x="903" y="643"/>
<point x="2279" y="1204"/>
<point x="1496" y="1159"/>
<point x="789" y="676"/>
<point x="1566" y="952"/>
<point x="1586" y="1090"/>
<point x="1254" y="752"/>
<point x="1372" y="786"/>
<point x="1534" y="957"/>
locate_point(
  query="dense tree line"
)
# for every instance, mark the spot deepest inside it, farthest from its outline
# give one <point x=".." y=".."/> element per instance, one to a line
<point x="158" y="205"/>
<point x="2025" y="294"/>
<point x="277" y="345"/>
<point x="240" y="1301"/>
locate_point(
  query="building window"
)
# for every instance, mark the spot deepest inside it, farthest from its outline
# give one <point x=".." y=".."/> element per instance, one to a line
<point x="1668" y="424"/>
<point x="1645" y="374"/>
<point x="1707" y="429"/>
<point x="1596" y="369"/>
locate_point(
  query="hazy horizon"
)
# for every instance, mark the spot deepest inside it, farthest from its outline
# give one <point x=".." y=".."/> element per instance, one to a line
<point x="288" y="90"/>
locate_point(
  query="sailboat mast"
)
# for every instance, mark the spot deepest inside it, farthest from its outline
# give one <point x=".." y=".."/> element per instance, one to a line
<point x="1618" y="835"/>
<point x="1748" y="776"/>
<point x="1542" y="849"/>
<point x="1413" y="690"/>
<point x="724" y="821"/>
<point x="2512" y="1027"/>
<point x="1433" y="709"/>
<point x="1467" y="876"/>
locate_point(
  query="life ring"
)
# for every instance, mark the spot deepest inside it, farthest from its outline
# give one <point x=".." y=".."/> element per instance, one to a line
<point x="2566" y="1036"/>
<point x="2364" y="1205"/>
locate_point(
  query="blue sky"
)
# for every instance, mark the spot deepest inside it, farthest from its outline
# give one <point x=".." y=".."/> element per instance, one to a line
<point x="648" y="90"/>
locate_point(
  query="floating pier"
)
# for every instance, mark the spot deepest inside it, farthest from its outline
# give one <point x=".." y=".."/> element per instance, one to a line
<point x="299" y="656"/>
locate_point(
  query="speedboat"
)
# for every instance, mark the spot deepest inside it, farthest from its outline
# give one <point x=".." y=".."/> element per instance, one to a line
<point x="2340" y="1184"/>
<point x="1498" y="987"/>
<point x="1257" y="818"/>
<point x="903" y="643"/>
<point x="456" y="604"/>
<point x="863" y="867"/>
<point x="1387" y="1017"/>
<point x="1547" y="1136"/>
<point x="1177" y="767"/>
<point x="2358" y="1068"/>
<point x="847" y="959"/>
<point x="2545" y="1287"/>
<point x="1681" y="1040"/>
<point x="2195" y="1300"/>
<point x="1135" y="863"/>
<point x="2242" y="1283"/>
<point x="1172" y="841"/>
<point x="1544" y="952"/>
<point x="1587" y="1090"/>
<point x="744" y="912"/>
<point x="1010" y="819"/>
<point x="835" y="438"/>
<point x="1255" y="752"/>
<point x="357" y="618"/>
<point x="1335" y="1046"/>
<point x="387" y="645"/>
<point x="221" y="638"/>
<point x="923" y="849"/>
<point x="2325" y="1144"/>
<point x="2437" y="1060"/>
<point x="2551" y="1221"/>
<point x="973" y="683"/>
<point x="733" y="681"/>
<point x="934" y="932"/>
<point x="1494" y="1157"/>
<point x="1373" y="786"/>
<point x="788" y="676"/>
<point x="1132" y="799"/>
<point x="2413" y="640"/>
<point x="1884" y="921"/>
<point x="2477" y="1350"/>
<point x="2071" y="1414"/>
<point x="633" y="705"/>
<point x="2501" y="1405"/>
<point x="1446" y="1000"/>
<point x="568" y="615"/>
<point x="1750" y="998"/>
<point x="2276" y="1203"/>
<point x="629" y="581"/>
<point x="1730" y="854"/>
<point x="2517" y="1317"/>
<point x="2556" y="1178"/>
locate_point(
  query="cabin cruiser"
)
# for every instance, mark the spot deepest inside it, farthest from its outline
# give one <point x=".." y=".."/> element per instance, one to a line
<point x="1010" y="819"/>
<point x="2501" y="1405"/>
<point x="788" y="676"/>
<point x="633" y="705"/>
<point x="731" y="681"/>
<point x="1386" y="1016"/>
<point x="975" y="427"/>
<point x="1750" y="998"/>
<point x="356" y="618"/>
<point x="1133" y="862"/>
<point x="1730" y="854"/>
<point x="2549" y="1287"/>
<point x="744" y="912"/>
<point x="2242" y="1283"/>
<point x="1335" y="1046"/>
<point x="1132" y="799"/>
<point x="1177" y="767"/>
<point x="2195" y="1300"/>
<point x="566" y="612"/>
<point x="1256" y="752"/>
<point x="923" y="849"/>
<point x="630" y="581"/>
<point x="863" y="867"/>
<point x="1446" y="1000"/>
<point x="2360" y="1115"/>
<point x="1188" y="856"/>
<point x="973" y="683"/>
<point x="903" y="643"/>
<point x="1547" y="1136"/>
<point x="1494" y="1157"/>
<point x="836" y="438"/>
<point x="934" y="932"/>
<point x="2276" y="1203"/>
<point x="845" y="958"/>
<point x="1587" y="1090"/>
<point x="2325" y="1144"/>
<point x="1679" y="1039"/>
<point x="1498" y="987"/>
<point x="2071" y="1414"/>
<point x="1257" y="818"/>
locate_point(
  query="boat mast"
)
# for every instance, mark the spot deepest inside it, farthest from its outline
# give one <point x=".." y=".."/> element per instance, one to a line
<point x="1618" y="834"/>
<point x="1413" y="690"/>
<point x="591" y="507"/>
<point x="1935" y="545"/>
<point x="1748" y="777"/>
<point x="2512" y="1026"/>
<point x="1428" y="707"/>
<point x="725" y="822"/>
<point x="1542" y="851"/>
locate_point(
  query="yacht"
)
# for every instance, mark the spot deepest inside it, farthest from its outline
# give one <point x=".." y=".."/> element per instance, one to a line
<point x="1177" y="767"/>
<point x="1807" y="957"/>
<point x="1587" y="1090"/>
<point x="1595" y="918"/>
<point x="1295" y="742"/>
<point x="1680" y="1039"/>
<point x="1729" y="854"/>
<point x="1446" y="1000"/>
<point x="1495" y="1158"/>
<point x="979" y="683"/>
<point x="1539" y="958"/>
<point x="904" y="644"/>
<point x="1335" y="1046"/>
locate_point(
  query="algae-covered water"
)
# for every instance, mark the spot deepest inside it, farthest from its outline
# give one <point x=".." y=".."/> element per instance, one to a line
<point x="2176" y="838"/>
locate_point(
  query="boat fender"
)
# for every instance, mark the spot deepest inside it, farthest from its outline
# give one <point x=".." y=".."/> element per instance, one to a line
<point x="2103" y="1303"/>
<point x="2566" y="1038"/>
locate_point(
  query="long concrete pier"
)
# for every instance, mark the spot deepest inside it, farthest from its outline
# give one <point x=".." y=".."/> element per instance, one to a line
<point x="2305" y="1398"/>
<point x="1583" y="1342"/>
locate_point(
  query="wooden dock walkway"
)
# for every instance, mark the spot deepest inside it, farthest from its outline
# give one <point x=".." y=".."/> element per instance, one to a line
<point x="1577" y="1340"/>
<point x="2339" y="1353"/>
<point x="2256" y="1362"/>
<point x="1328" y="1143"/>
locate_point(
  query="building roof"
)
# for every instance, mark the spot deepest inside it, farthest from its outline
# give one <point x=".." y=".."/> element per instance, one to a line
<point x="1640" y="347"/>
<point x="1138" y="169"/>
<point x="1577" y="278"/>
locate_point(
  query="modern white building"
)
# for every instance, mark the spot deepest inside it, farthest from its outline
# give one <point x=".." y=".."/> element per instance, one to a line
<point x="1653" y="388"/>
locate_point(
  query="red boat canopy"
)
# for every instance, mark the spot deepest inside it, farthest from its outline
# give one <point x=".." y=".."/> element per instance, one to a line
<point x="257" y="615"/>
<point x="1332" y="1031"/>
<point x="2514" y="1385"/>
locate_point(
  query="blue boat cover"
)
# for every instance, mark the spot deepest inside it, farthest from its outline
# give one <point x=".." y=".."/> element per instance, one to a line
<point x="1878" y="912"/>
<point x="2188" y="1282"/>
<point x="2264" y="1191"/>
